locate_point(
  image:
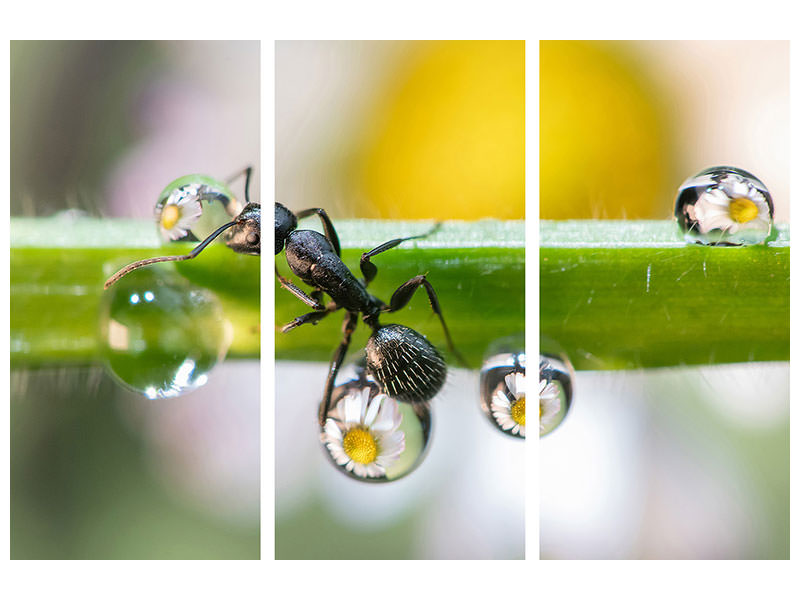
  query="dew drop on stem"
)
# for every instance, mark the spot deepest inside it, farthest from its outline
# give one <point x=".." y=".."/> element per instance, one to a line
<point x="724" y="206"/>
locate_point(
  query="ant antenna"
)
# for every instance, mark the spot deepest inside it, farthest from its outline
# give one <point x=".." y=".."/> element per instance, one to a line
<point x="247" y="172"/>
<point x="149" y="261"/>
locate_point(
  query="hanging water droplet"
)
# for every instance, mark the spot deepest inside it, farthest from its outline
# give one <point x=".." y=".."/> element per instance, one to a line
<point x="555" y="392"/>
<point x="503" y="392"/>
<point x="160" y="336"/>
<point x="193" y="206"/>
<point x="724" y="206"/>
<point x="370" y="436"/>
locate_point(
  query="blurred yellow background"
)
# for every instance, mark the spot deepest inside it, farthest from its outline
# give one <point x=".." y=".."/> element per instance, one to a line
<point x="623" y="124"/>
<point x="403" y="130"/>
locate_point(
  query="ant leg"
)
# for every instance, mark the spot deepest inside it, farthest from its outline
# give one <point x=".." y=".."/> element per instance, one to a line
<point x="312" y="317"/>
<point x="300" y="294"/>
<point x="369" y="270"/>
<point x="330" y="230"/>
<point x="348" y="328"/>
<point x="247" y="172"/>
<point x="402" y="296"/>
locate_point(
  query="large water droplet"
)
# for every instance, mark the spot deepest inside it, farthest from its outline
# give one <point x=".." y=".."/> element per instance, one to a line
<point x="503" y="392"/>
<point x="555" y="392"/>
<point x="370" y="436"/>
<point x="724" y="206"/>
<point x="160" y="335"/>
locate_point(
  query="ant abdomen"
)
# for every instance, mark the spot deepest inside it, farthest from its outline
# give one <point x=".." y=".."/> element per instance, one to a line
<point x="407" y="365"/>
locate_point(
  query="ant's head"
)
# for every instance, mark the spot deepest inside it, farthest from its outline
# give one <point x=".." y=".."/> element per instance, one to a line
<point x="244" y="236"/>
<point x="285" y="223"/>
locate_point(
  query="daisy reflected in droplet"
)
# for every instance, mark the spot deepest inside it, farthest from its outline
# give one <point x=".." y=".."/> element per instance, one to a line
<point x="179" y="212"/>
<point x="508" y="404"/>
<point x="724" y="205"/>
<point x="732" y="206"/>
<point x="555" y="392"/>
<point x="361" y="433"/>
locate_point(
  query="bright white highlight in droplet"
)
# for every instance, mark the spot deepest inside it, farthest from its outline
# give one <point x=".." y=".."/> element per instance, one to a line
<point x="184" y="373"/>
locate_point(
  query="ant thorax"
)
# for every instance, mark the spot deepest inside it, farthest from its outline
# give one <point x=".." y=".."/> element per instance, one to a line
<point x="312" y="259"/>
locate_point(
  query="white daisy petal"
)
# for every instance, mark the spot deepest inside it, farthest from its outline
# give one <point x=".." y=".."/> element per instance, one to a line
<point x="358" y="468"/>
<point x="720" y="221"/>
<point x="364" y="403"/>
<point x="373" y="407"/>
<point x="516" y="383"/>
<point x="374" y="470"/>
<point x="504" y="420"/>
<point x="339" y="455"/>
<point x="549" y="407"/>
<point x="351" y="409"/>
<point x="332" y="430"/>
<point x="389" y="416"/>
<point x="500" y="400"/>
<point x="740" y="189"/>
<point x="712" y="211"/>
<point x="717" y="197"/>
<point x="392" y="445"/>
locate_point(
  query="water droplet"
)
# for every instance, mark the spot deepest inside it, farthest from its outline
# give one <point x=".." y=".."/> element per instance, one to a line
<point x="724" y="206"/>
<point x="371" y="436"/>
<point x="194" y="206"/>
<point x="503" y="392"/>
<point x="160" y="335"/>
<point x="555" y="392"/>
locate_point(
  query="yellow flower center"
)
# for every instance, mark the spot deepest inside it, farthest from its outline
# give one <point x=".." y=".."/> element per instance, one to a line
<point x="360" y="446"/>
<point x="743" y="210"/>
<point x="170" y="216"/>
<point x="518" y="411"/>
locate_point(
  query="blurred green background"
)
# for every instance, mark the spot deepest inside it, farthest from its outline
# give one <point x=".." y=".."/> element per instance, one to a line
<point x="678" y="463"/>
<point x="99" y="128"/>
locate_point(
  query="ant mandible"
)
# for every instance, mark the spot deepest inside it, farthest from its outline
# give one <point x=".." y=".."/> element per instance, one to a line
<point x="244" y="236"/>
<point x="403" y="361"/>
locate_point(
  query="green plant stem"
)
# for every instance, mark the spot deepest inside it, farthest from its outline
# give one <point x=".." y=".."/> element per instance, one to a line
<point x="476" y="268"/>
<point x="59" y="265"/>
<point x="632" y="294"/>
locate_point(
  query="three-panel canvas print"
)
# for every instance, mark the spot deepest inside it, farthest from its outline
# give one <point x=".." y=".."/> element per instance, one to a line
<point x="647" y="219"/>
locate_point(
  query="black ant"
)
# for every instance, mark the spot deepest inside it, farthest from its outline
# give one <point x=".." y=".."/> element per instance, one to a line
<point x="407" y="366"/>
<point x="244" y="236"/>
